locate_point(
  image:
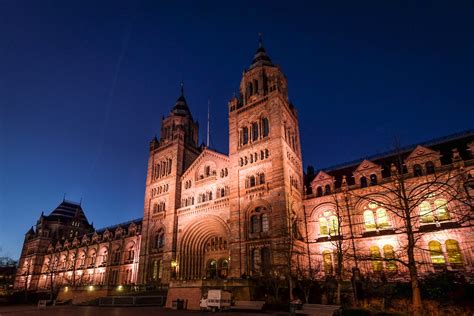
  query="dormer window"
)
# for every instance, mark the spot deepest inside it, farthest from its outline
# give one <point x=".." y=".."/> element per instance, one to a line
<point x="430" y="167"/>
<point x="327" y="189"/>
<point x="417" y="171"/>
<point x="373" y="179"/>
<point x="363" y="182"/>
<point x="319" y="191"/>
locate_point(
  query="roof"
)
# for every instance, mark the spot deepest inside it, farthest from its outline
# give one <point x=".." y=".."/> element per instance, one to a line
<point x="181" y="108"/>
<point x="68" y="210"/>
<point x="124" y="225"/>
<point x="261" y="57"/>
<point x="443" y="145"/>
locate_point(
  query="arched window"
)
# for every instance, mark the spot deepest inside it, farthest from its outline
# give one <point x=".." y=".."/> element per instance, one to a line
<point x="245" y="135"/>
<point x="212" y="269"/>
<point x="333" y="226"/>
<point x="252" y="181"/>
<point x="417" y="171"/>
<point x="375" y="256"/>
<point x="262" y="155"/>
<point x="155" y="270"/>
<point x="442" y="213"/>
<point x="323" y="226"/>
<point x="255" y="223"/>
<point x="454" y="253"/>
<point x="261" y="178"/>
<point x="223" y="268"/>
<point x="254" y="131"/>
<point x="327" y="262"/>
<point x="222" y="192"/>
<point x="265" y="224"/>
<point x="430" y="167"/>
<point x="256" y="260"/>
<point x="425" y="212"/>
<point x="327" y="189"/>
<point x="267" y="153"/>
<point x="319" y="191"/>
<point x="363" y="182"/>
<point x="436" y="254"/>
<point x="382" y="218"/>
<point x="265" y="127"/>
<point x="373" y="179"/>
<point x="155" y="208"/>
<point x="389" y="255"/>
<point x="369" y="220"/>
<point x="160" y="239"/>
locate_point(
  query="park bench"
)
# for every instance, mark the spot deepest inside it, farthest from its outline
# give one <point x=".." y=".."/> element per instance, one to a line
<point x="248" y="305"/>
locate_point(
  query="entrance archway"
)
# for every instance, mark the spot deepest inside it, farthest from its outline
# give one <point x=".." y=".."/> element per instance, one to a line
<point x="203" y="250"/>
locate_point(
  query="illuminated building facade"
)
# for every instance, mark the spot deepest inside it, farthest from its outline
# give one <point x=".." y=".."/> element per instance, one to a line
<point x="214" y="216"/>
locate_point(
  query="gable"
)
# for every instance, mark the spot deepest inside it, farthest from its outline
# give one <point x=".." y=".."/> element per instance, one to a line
<point x="421" y="152"/>
<point x="366" y="165"/>
<point x="322" y="177"/>
<point x="209" y="157"/>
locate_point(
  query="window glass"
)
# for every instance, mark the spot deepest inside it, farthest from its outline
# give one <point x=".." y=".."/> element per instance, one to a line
<point x="323" y="226"/>
<point x="426" y="213"/>
<point x="441" y="210"/>
<point x="333" y="226"/>
<point x="436" y="253"/>
<point x="382" y="218"/>
<point x="327" y="261"/>
<point x="375" y="257"/>
<point x="454" y="252"/>
<point x="389" y="254"/>
<point x="369" y="220"/>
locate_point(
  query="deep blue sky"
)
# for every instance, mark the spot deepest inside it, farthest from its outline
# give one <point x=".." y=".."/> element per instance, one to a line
<point x="83" y="86"/>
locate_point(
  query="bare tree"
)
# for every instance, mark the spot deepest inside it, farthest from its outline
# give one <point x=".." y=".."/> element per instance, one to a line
<point x="406" y="198"/>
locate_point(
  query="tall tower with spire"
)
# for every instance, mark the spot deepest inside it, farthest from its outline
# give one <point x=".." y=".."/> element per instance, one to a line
<point x="265" y="159"/>
<point x="169" y="157"/>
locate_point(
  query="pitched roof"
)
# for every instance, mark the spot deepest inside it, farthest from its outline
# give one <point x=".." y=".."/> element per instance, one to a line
<point x="68" y="210"/>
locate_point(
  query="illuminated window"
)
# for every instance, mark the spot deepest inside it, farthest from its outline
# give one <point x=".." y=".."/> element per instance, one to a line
<point x="375" y="256"/>
<point x="327" y="262"/>
<point x="333" y="226"/>
<point x="454" y="253"/>
<point x="369" y="220"/>
<point x="256" y="260"/>
<point x="425" y="213"/>
<point x="323" y="226"/>
<point x="389" y="255"/>
<point x="382" y="218"/>
<point x="441" y="210"/>
<point x="436" y="254"/>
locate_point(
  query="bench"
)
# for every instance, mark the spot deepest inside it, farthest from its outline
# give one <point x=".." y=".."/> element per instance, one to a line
<point x="42" y="304"/>
<point x="319" y="310"/>
<point x="248" y="305"/>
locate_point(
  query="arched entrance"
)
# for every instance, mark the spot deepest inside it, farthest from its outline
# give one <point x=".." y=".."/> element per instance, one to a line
<point x="203" y="250"/>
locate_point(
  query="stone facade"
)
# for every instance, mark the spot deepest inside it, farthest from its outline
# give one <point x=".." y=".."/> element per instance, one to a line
<point x="212" y="216"/>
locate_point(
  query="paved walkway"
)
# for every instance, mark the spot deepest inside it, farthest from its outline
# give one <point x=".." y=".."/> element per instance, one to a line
<point x="105" y="311"/>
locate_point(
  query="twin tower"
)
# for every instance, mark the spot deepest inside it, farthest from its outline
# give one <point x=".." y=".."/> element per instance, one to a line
<point x="208" y="215"/>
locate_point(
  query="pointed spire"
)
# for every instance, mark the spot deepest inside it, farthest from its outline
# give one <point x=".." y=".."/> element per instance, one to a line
<point x="261" y="57"/>
<point x="180" y="108"/>
<point x="182" y="89"/>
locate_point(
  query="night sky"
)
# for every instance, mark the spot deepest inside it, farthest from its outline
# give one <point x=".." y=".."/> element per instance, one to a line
<point x="83" y="87"/>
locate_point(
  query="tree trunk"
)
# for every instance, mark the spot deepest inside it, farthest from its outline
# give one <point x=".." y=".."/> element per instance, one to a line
<point x="416" y="294"/>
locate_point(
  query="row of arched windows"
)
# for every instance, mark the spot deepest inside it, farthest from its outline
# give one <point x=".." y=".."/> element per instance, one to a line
<point x="452" y="256"/>
<point x="256" y="131"/>
<point x="294" y="182"/>
<point x="159" y="207"/>
<point x="161" y="189"/>
<point x="204" y="197"/>
<point x="224" y="172"/>
<point x="320" y="192"/>
<point x="162" y="168"/>
<point x="375" y="217"/>
<point x="254" y="157"/>
<point x="291" y="137"/>
<point x="187" y="184"/>
<point x="418" y="169"/>
<point x="255" y="180"/>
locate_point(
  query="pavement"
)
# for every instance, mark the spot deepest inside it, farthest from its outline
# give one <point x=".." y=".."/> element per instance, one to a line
<point x="27" y="310"/>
